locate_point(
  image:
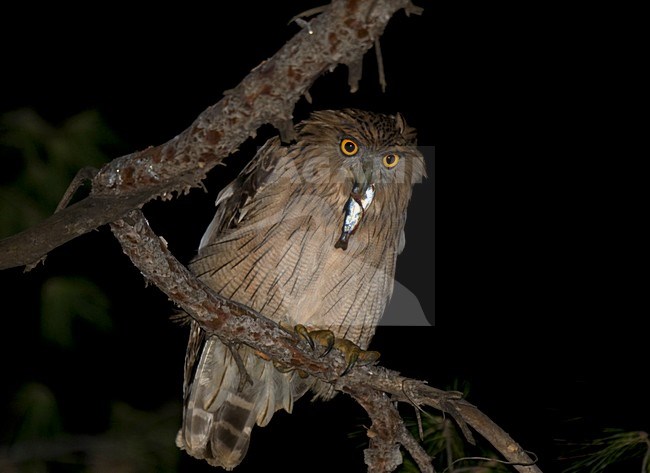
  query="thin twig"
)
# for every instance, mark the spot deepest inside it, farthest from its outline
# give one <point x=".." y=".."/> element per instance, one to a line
<point x="418" y="416"/>
<point x="308" y="13"/>
<point x="422" y="459"/>
<point x="83" y="175"/>
<point x="446" y="433"/>
<point x="244" y="377"/>
<point x="380" y="66"/>
<point x="486" y="459"/>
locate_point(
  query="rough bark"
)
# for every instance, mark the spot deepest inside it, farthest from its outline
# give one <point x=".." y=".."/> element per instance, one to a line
<point x="340" y="35"/>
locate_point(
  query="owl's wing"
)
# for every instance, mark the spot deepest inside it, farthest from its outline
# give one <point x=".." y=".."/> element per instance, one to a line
<point x="233" y="202"/>
<point x="194" y="346"/>
<point x="219" y="413"/>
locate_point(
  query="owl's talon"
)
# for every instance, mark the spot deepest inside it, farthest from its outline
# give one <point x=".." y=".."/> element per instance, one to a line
<point x="351" y="360"/>
<point x="302" y="331"/>
<point x="328" y="349"/>
<point x="322" y="338"/>
<point x="354" y="355"/>
<point x="326" y="339"/>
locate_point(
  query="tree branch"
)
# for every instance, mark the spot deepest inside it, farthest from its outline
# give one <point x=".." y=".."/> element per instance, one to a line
<point x="387" y="433"/>
<point x="340" y="35"/>
<point x="369" y="385"/>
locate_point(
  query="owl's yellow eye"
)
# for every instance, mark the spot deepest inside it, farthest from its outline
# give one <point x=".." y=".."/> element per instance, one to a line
<point x="390" y="160"/>
<point x="349" y="147"/>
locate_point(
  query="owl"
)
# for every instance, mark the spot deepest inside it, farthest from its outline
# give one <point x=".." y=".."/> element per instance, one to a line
<point x="307" y="235"/>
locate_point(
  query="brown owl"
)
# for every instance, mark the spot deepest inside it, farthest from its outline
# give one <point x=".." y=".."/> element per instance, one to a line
<point x="308" y="235"/>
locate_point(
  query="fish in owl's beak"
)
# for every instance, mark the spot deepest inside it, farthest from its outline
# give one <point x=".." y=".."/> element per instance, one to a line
<point x="360" y="199"/>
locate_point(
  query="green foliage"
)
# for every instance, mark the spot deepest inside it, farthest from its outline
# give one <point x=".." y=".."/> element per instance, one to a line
<point x="41" y="160"/>
<point x="444" y="442"/>
<point x="46" y="158"/>
<point x="603" y="454"/>
<point x="137" y="441"/>
<point x="36" y="407"/>
<point x="140" y="441"/>
<point x="64" y="299"/>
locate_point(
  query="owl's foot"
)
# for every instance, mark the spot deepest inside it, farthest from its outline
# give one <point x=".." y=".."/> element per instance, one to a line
<point x="353" y="354"/>
<point x="284" y="368"/>
<point x="326" y="340"/>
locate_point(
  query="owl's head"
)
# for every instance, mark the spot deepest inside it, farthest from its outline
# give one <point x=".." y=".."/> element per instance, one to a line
<point x="371" y="148"/>
<point x="373" y="154"/>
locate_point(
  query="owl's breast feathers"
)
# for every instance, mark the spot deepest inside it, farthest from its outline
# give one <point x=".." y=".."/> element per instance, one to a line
<point x="271" y="244"/>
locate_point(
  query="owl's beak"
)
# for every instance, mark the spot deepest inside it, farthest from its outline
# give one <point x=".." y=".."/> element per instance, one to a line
<point x="362" y="178"/>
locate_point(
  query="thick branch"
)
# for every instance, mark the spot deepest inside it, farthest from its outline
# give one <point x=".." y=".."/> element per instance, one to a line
<point x="236" y="323"/>
<point x="340" y="35"/>
<point x="387" y="433"/>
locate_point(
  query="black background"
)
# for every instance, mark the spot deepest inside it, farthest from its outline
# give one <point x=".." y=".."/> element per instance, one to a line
<point x="530" y="307"/>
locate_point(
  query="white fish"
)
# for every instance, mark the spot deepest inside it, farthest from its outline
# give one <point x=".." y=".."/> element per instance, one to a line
<point x="355" y="208"/>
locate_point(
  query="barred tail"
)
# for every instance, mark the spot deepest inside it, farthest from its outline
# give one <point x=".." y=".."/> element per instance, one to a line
<point x="218" y="418"/>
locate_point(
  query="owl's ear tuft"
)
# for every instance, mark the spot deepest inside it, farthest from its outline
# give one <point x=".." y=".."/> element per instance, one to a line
<point x="401" y="123"/>
<point x="409" y="133"/>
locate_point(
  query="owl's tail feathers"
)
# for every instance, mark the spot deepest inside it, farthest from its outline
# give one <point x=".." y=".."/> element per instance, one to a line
<point x="218" y="417"/>
<point x="220" y="437"/>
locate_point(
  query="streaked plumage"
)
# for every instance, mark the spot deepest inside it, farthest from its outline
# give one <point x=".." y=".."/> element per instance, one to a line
<point x="271" y="246"/>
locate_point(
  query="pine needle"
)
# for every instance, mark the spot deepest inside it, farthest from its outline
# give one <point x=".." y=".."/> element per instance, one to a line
<point x="602" y="453"/>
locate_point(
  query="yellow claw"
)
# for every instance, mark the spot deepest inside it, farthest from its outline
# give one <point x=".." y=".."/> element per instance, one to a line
<point x="351" y="361"/>
<point x="302" y="331"/>
<point x="326" y="339"/>
<point x="323" y="338"/>
<point x="353" y="354"/>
